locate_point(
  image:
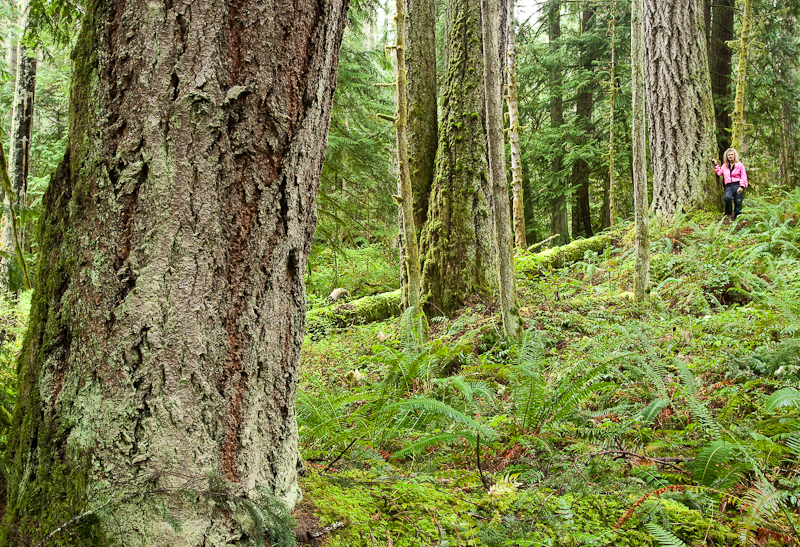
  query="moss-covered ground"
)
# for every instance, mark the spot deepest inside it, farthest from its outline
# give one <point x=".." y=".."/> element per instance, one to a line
<point x="674" y="421"/>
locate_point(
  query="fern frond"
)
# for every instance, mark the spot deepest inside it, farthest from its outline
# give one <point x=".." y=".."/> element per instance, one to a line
<point x="710" y="462"/>
<point x="783" y="397"/>
<point x="435" y="408"/>
<point x="438" y="438"/>
<point x="763" y="501"/>
<point x="665" y="538"/>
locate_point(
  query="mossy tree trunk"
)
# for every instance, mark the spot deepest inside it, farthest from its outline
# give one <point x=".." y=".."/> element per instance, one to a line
<point x="738" y="124"/>
<point x="680" y="107"/>
<point x="406" y="201"/>
<point x="641" y="278"/>
<point x="422" y="124"/>
<point x="159" y="372"/>
<point x="493" y="17"/>
<point x="457" y="239"/>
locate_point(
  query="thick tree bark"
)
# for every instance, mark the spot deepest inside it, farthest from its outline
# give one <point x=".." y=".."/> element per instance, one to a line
<point x="641" y="277"/>
<point x="20" y="147"/>
<point x="719" y="59"/>
<point x="494" y="51"/>
<point x="518" y="196"/>
<point x="582" y="217"/>
<point x="559" y="223"/>
<point x="422" y="114"/>
<point x="458" y="236"/>
<point x="158" y="378"/>
<point x="680" y="106"/>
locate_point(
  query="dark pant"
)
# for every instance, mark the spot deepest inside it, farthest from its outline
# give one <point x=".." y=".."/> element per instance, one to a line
<point x="733" y="200"/>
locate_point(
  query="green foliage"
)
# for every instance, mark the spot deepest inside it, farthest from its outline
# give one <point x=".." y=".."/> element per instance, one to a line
<point x="13" y="323"/>
<point x="543" y="401"/>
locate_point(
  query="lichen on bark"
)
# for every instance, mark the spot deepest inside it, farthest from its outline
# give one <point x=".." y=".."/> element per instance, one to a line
<point x="159" y="372"/>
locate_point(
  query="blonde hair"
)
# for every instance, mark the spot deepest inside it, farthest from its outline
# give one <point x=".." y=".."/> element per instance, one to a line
<point x="735" y="155"/>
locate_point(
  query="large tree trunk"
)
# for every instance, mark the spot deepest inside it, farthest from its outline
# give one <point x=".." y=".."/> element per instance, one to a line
<point x="719" y="60"/>
<point x="582" y="216"/>
<point x="158" y="378"/>
<point x="559" y="222"/>
<point x="680" y="106"/>
<point x="19" y="151"/>
<point x="421" y="90"/>
<point x="458" y="237"/>
<point x="641" y="277"/>
<point x="494" y="51"/>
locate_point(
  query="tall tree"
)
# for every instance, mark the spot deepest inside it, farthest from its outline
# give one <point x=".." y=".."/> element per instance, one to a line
<point x="582" y="217"/>
<point x="458" y="237"/>
<point x="421" y="90"/>
<point x="20" y="139"/>
<point x="638" y="131"/>
<point x="411" y="252"/>
<point x="494" y="51"/>
<point x="518" y="199"/>
<point x="558" y="213"/>
<point x="161" y="358"/>
<point x="719" y="59"/>
<point x="738" y="123"/>
<point x="679" y="105"/>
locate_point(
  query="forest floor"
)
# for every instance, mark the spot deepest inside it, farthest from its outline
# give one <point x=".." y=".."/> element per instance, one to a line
<point x="670" y="422"/>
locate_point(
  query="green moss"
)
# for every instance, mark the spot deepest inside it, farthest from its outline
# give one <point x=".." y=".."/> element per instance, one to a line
<point x="558" y="257"/>
<point x="369" y="309"/>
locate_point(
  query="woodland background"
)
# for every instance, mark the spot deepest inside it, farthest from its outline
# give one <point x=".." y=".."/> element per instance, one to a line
<point x="672" y="421"/>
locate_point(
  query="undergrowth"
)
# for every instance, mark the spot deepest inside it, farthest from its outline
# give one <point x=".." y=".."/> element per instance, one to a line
<point x="674" y="422"/>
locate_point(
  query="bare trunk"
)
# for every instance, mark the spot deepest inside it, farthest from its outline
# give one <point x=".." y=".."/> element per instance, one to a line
<point x="412" y="266"/>
<point x="458" y="241"/>
<point x="679" y="106"/>
<point x="558" y="209"/>
<point x="493" y="51"/>
<point x="158" y="378"/>
<point x="581" y="217"/>
<point x="739" y="125"/>
<point x="612" y="101"/>
<point x="518" y="209"/>
<point x="641" y="277"/>
<point x="719" y="60"/>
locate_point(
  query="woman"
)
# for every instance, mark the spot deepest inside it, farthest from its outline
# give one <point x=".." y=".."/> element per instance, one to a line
<point x="735" y="179"/>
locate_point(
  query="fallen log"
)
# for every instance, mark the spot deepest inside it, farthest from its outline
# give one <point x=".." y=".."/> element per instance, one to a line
<point x="369" y="309"/>
<point x="559" y="257"/>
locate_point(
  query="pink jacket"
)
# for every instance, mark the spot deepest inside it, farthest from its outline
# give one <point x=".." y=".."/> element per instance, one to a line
<point x="737" y="174"/>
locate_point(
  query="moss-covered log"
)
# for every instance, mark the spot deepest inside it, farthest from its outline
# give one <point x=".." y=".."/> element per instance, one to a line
<point x="364" y="310"/>
<point x="558" y="257"/>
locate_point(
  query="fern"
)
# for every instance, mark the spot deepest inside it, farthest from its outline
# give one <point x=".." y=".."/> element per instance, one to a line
<point x="665" y="538"/>
<point x="433" y="440"/>
<point x="696" y="406"/>
<point x="763" y="502"/>
<point x="431" y="409"/>
<point x="784" y="397"/>
<point x="711" y="462"/>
